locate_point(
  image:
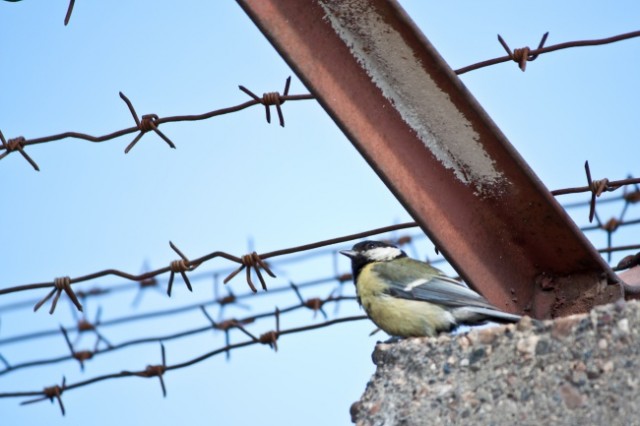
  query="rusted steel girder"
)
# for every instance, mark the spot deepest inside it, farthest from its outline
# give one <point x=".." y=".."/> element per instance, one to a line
<point x="438" y="151"/>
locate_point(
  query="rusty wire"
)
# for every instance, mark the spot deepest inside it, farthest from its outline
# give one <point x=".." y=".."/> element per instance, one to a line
<point x="83" y="324"/>
<point x="257" y="262"/>
<point x="598" y="187"/>
<point x="140" y="287"/>
<point x="629" y="197"/>
<point x="151" y="122"/>
<point x="158" y="370"/>
<point x="250" y="261"/>
<point x="304" y="303"/>
<point x="50" y="393"/>
<point x="269" y="338"/>
<point x="615" y="222"/>
<point x="524" y="55"/>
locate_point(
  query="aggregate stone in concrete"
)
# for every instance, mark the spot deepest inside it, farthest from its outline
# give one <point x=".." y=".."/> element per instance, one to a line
<point x="577" y="370"/>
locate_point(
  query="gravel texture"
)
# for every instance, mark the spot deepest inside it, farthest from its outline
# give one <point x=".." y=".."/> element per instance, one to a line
<point x="576" y="370"/>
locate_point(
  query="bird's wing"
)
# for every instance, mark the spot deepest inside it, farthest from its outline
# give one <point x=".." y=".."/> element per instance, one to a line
<point x="415" y="280"/>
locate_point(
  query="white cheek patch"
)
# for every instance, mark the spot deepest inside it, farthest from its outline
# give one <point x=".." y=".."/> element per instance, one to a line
<point x="381" y="254"/>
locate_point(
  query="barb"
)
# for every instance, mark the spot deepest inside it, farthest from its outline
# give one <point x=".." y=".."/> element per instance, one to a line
<point x="216" y="326"/>
<point x="182" y="266"/>
<point x="528" y="55"/>
<point x="84" y="325"/>
<point x="254" y="261"/>
<point x="155" y="371"/>
<point x="271" y="337"/>
<point x="16" y="144"/>
<point x="60" y="284"/>
<point x="148" y="122"/>
<point x="523" y="55"/>
<point x="49" y="393"/>
<point x="69" y="11"/>
<point x="151" y="122"/>
<point x="81" y="356"/>
<point x="271" y="98"/>
<point x="315" y="304"/>
<point x="597" y="187"/>
<point x="229" y="299"/>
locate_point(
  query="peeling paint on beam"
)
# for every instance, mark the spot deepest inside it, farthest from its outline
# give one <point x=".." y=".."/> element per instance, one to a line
<point x="394" y="69"/>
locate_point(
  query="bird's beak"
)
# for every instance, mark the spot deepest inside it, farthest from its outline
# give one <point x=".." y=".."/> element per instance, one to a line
<point x="349" y="253"/>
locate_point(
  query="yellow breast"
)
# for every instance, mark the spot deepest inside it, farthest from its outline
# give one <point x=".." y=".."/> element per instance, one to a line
<point x="396" y="316"/>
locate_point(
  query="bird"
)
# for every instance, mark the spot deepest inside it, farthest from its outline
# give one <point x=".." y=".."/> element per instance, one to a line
<point x="406" y="297"/>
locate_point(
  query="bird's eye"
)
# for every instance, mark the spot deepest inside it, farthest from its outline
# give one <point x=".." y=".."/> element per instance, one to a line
<point x="370" y="246"/>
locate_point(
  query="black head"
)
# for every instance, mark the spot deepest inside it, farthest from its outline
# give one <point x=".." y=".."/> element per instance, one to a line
<point x="371" y="251"/>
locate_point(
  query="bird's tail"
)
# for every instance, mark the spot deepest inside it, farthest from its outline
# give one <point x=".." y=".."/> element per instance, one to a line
<point x="481" y="314"/>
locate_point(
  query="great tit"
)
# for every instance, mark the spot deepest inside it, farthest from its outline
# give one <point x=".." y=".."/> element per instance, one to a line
<point x="409" y="298"/>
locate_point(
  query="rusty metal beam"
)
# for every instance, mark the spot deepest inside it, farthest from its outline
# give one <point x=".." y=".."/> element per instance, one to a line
<point x="438" y="151"/>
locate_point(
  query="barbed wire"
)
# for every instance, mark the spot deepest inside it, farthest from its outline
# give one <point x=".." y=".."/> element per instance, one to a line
<point x="104" y="346"/>
<point x="248" y="262"/>
<point x="252" y="263"/>
<point x="314" y="304"/>
<point x="523" y="55"/>
<point x="84" y="325"/>
<point x="153" y="283"/>
<point x="145" y="281"/>
<point x="520" y="55"/>
<point x="598" y="187"/>
<point x="269" y="338"/>
<point x="151" y="122"/>
<point x="257" y="262"/>
<point x="231" y="298"/>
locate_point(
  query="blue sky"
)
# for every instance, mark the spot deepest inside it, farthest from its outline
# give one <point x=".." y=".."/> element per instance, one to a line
<point x="236" y="182"/>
